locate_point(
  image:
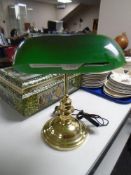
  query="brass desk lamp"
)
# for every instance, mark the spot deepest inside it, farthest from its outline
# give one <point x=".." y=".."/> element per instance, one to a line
<point x="67" y="54"/>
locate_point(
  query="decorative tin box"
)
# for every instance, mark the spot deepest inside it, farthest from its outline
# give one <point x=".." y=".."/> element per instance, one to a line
<point x="29" y="94"/>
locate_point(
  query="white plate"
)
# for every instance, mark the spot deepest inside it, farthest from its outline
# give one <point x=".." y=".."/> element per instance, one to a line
<point x="114" y="94"/>
<point x="121" y="77"/>
<point x="117" y="89"/>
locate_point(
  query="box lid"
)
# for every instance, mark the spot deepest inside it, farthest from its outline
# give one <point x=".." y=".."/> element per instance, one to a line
<point x="29" y="84"/>
<point x="22" y="81"/>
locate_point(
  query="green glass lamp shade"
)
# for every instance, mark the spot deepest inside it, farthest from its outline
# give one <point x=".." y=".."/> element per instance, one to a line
<point x="68" y="54"/>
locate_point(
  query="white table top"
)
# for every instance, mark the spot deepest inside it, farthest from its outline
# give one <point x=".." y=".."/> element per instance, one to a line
<point x="22" y="151"/>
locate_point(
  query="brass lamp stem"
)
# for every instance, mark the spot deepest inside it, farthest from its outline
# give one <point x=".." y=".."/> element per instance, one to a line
<point x="65" y="84"/>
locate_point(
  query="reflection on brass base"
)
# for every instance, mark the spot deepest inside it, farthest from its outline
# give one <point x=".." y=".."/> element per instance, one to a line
<point x="64" y="134"/>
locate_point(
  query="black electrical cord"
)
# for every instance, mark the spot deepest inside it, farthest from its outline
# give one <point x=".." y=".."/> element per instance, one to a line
<point x="93" y="118"/>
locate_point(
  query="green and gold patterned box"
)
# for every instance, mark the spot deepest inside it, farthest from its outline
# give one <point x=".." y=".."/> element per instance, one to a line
<point x="29" y="94"/>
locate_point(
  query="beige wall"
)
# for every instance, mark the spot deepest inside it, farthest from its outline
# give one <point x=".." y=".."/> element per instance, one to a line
<point x="88" y="14"/>
<point x="4" y="14"/>
<point x="1" y="14"/>
<point x="61" y="13"/>
<point x="42" y="12"/>
<point x="115" y="18"/>
<point x="39" y="16"/>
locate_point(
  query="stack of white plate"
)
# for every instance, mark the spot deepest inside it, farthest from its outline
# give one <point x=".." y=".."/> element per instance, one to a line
<point x="128" y="63"/>
<point x="118" y="84"/>
<point x="94" y="80"/>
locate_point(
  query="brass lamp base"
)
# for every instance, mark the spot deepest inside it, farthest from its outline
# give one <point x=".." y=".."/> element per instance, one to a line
<point x="64" y="134"/>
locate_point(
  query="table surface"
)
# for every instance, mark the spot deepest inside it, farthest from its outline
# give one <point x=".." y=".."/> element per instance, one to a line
<point x="23" y="152"/>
